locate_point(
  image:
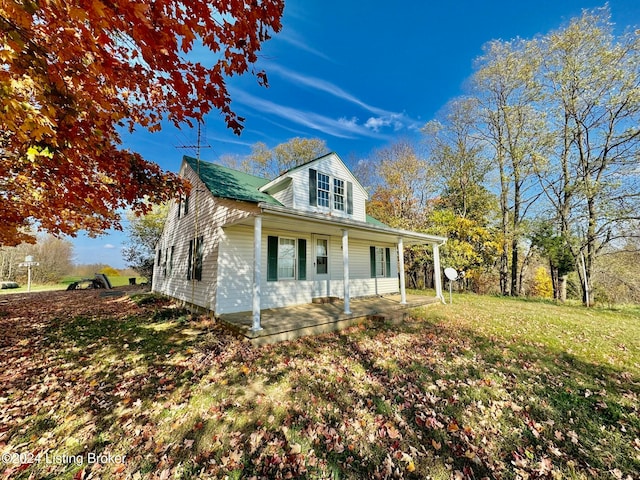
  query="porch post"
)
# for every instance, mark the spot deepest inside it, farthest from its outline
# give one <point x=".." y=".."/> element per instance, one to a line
<point x="257" y="274"/>
<point x="403" y="293"/>
<point x="345" y="267"/>
<point x="437" y="274"/>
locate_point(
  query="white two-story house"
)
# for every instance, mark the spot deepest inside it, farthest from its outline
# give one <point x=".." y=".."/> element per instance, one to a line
<point x="241" y="243"/>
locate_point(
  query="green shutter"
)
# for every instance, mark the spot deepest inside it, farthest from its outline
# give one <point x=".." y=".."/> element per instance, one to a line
<point x="387" y="252"/>
<point x="302" y="259"/>
<point x="199" y="254"/>
<point x="313" y="187"/>
<point x="372" y="255"/>
<point x="272" y="259"/>
<point x="349" y="198"/>
<point x="190" y="262"/>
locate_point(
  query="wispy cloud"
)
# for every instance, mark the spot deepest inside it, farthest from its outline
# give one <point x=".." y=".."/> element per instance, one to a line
<point x="292" y="38"/>
<point x="382" y="118"/>
<point x="342" y="127"/>
<point x="324" y="86"/>
<point x="109" y="246"/>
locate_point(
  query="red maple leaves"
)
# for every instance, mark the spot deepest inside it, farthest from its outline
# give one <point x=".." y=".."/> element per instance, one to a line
<point x="75" y="73"/>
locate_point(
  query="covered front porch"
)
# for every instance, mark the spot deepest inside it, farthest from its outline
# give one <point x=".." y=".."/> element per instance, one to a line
<point x="288" y="323"/>
<point x="376" y="260"/>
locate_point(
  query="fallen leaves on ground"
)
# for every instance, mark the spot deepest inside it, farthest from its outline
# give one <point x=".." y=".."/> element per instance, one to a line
<point x="159" y="394"/>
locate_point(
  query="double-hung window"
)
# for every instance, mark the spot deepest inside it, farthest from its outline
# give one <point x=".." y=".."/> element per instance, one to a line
<point x="330" y="193"/>
<point x="286" y="258"/>
<point x="338" y="194"/>
<point x="380" y="261"/>
<point x="323" y="190"/>
<point x="194" y="270"/>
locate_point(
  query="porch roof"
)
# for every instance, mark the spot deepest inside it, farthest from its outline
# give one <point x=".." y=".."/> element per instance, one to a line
<point x="371" y="230"/>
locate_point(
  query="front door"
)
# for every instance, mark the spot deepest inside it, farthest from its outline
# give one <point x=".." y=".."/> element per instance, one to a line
<point x="321" y="266"/>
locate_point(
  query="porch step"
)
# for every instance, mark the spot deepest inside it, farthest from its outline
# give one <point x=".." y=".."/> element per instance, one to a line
<point x="322" y="300"/>
<point x="268" y="336"/>
<point x="394" y="317"/>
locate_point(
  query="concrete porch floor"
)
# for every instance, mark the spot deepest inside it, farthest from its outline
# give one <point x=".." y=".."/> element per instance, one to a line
<point x="287" y="323"/>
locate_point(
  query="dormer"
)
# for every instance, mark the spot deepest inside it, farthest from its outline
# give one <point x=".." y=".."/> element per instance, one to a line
<point x="324" y="185"/>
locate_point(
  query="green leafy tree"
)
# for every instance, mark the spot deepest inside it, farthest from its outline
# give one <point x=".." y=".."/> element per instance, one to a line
<point x="556" y="249"/>
<point x="143" y="235"/>
<point x="471" y="248"/>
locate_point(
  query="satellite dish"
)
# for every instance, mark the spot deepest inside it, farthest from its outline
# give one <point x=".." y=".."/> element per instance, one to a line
<point x="451" y="273"/>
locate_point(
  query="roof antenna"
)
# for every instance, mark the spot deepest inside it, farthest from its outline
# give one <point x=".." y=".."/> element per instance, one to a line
<point x="196" y="253"/>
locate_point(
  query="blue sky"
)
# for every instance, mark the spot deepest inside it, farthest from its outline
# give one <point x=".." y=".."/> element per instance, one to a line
<point x="359" y="75"/>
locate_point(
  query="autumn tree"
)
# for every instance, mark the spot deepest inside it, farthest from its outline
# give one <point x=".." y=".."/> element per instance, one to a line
<point x="591" y="83"/>
<point x="514" y="131"/>
<point x="270" y="162"/>
<point x="74" y="74"/>
<point x="402" y="186"/>
<point x="471" y="248"/>
<point x="458" y="158"/>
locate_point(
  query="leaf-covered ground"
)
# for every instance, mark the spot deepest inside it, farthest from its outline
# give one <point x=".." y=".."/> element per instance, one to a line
<point x="132" y="387"/>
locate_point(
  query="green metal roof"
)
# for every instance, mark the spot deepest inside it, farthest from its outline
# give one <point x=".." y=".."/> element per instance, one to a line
<point x="226" y="182"/>
<point x="373" y="221"/>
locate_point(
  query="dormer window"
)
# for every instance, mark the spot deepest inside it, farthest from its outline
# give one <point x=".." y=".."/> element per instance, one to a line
<point x="323" y="190"/>
<point x="338" y="194"/>
<point x="330" y="192"/>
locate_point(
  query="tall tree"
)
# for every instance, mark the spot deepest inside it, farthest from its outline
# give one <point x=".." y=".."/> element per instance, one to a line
<point x="73" y="73"/>
<point x="515" y="131"/>
<point x="591" y="84"/>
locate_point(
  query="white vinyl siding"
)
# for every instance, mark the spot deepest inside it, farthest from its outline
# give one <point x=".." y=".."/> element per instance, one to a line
<point x="235" y="278"/>
<point x="212" y="214"/>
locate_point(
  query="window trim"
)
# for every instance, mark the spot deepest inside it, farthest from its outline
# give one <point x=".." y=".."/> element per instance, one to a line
<point x="195" y="260"/>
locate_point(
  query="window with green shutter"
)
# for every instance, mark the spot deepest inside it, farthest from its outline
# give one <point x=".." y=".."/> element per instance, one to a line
<point x="286" y="258"/>
<point x="380" y="260"/>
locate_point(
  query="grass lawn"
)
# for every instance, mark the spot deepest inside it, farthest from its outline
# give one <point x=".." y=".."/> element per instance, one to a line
<point x="116" y="281"/>
<point x="484" y="388"/>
